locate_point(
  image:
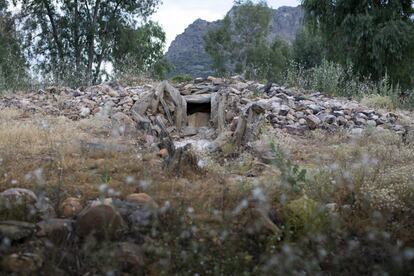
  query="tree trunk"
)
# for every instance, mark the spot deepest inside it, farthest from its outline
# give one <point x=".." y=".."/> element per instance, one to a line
<point x="55" y="34"/>
<point x="91" y="43"/>
<point x="76" y="39"/>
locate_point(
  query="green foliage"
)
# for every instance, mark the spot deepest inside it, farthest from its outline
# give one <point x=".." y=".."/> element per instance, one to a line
<point x="13" y="69"/>
<point x="307" y="48"/>
<point x="376" y="36"/>
<point x="181" y="78"/>
<point x="74" y="41"/>
<point x="291" y="173"/>
<point x="140" y="50"/>
<point x="240" y="44"/>
<point x="328" y="78"/>
<point x="217" y="44"/>
<point x="305" y="216"/>
<point x="266" y="62"/>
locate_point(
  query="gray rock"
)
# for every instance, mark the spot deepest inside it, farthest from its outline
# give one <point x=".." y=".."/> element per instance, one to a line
<point x="284" y="110"/>
<point x="58" y="231"/>
<point x="360" y="121"/>
<point x="122" y="124"/>
<point x="313" y="121"/>
<point x="371" y="123"/>
<point x="85" y="112"/>
<point x="198" y="99"/>
<point x="18" y="204"/>
<point x="16" y="230"/>
<point x="315" y="108"/>
<point x="329" y="119"/>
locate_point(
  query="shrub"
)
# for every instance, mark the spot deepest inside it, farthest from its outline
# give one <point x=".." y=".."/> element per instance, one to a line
<point x="181" y="78"/>
<point x="378" y="101"/>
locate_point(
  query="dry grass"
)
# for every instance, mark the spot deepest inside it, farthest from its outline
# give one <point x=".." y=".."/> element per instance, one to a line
<point x="56" y="148"/>
<point x="371" y="173"/>
<point x="378" y="101"/>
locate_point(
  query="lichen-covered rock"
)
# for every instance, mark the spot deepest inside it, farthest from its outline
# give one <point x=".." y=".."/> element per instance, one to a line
<point x="18" y="204"/>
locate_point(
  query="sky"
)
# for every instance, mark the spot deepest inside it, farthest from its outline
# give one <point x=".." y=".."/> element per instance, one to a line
<point x="175" y="15"/>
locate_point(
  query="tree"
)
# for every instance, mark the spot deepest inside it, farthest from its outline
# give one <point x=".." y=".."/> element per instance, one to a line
<point x="13" y="69"/>
<point x="75" y="39"/>
<point x="269" y="62"/>
<point x="308" y="48"/>
<point x="377" y="37"/>
<point x="243" y="30"/>
<point x="140" y="50"/>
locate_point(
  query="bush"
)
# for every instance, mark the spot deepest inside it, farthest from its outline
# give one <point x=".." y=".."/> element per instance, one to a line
<point x="181" y="78"/>
<point x="335" y="80"/>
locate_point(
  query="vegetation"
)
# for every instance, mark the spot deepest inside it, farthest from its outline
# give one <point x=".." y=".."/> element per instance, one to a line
<point x="341" y="203"/>
<point x="377" y="37"/>
<point x="343" y="49"/>
<point x="13" y="68"/>
<point x="240" y="44"/>
<point x="349" y="213"/>
<point x="74" y="41"/>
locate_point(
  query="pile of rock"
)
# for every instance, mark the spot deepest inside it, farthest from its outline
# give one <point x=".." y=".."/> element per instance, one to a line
<point x="211" y="102"/>
<point x="109" y="219"/>
<point x="299" y="112"/>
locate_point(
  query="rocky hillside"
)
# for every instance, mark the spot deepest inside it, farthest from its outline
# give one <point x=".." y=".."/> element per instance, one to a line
<point x="187" y="53"/>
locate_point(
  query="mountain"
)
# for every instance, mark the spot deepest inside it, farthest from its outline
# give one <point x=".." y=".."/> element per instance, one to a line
<point x="187" y="54"/>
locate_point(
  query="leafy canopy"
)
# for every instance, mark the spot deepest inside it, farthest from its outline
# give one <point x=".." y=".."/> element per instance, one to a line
<point x="241" y="44"/>
<point x="376" y="36"/>
<point x="13" y="69"/>
<point x="79" y="39"/>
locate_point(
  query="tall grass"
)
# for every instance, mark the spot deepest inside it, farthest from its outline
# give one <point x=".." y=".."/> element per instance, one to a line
<point x="336" y="80"/>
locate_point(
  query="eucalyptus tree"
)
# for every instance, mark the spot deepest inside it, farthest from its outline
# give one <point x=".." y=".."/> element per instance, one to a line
<point x="13" y="68"/>
<point x="377" y="37"/>
<point x="74" y="39"/>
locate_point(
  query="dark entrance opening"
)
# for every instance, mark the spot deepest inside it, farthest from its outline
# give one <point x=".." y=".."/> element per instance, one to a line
<point x="198" y="107"/>
<point x="198" y="114"/>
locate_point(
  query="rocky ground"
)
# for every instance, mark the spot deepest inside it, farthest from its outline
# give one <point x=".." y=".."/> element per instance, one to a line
<point x="151" y="179"/>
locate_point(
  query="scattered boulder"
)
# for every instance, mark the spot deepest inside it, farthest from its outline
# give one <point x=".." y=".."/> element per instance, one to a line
<point x="16" y="230"/>
<point x="71" y="207"/>
<point x="18" y="204"/>
<point x="130" y="256"/>
<point x="22" y="263"/>
<point x="58" y="231"/>
<point x="102" y="222"/>
<point x="123" y="124"/>
<point x="143" y="200"/>
<point x="313" y="121"/>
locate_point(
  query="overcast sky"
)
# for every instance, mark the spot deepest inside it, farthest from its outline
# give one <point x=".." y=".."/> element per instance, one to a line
<point x="176" y="15"/>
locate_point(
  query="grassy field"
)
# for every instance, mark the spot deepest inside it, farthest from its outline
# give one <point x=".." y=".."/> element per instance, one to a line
<point x="342" y="204"/>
